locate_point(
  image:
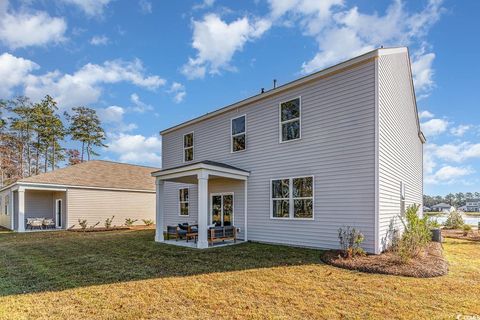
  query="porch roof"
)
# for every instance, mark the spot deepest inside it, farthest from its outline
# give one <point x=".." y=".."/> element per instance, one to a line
<point x="184" y="172"/>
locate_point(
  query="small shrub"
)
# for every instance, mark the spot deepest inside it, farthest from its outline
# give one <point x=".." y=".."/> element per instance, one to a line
<point x="96" y="224"/>
<point x="108" y="222"/>
<point x="454" y="220"/>
<point x="129" y="222"/>
<point x="83" y="224"/>
<point x="416" y="234"/>
<point x="350" y="241"/>
<point x="466" y="229"/>
<point x="147" y="222"/>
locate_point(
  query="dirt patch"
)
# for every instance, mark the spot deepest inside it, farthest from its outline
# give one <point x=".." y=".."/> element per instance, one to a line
<point x="430" y="264"/>
<point x="473" y="235"/>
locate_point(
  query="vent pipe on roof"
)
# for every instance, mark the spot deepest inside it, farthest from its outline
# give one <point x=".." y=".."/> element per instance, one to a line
<point x="274" y="83"/>
<point x="262" y="91"/>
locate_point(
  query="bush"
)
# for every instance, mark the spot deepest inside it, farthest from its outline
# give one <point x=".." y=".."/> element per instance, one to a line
<point x="350" y="241"/>
<point x="108" y="222"/>
<point x="83" y="224"/>
<point x="148" y="222"/>
<point x="129" y="222"/>
<point x="416" y="234"/>
<point x="454" y="220"/>
<point x="466" y="229"/>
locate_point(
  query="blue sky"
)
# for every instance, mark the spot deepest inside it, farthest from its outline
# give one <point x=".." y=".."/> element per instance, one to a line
<point x="147" y="65"/>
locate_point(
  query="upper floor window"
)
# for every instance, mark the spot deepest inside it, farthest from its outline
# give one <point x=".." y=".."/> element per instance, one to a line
<point x="183" y="200"/>
<point x="290" y="126"/>
<point x="292" y="198"/>
<point x="239" y="130"/>
<point x="188" y="147"/>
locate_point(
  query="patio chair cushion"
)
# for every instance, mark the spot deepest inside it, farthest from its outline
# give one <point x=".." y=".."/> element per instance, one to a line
<point x="182" y="232"/>
<point x="183" y="226"/>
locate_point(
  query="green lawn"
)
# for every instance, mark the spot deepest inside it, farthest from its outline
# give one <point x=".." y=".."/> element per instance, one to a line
<point x="126" y="275"/>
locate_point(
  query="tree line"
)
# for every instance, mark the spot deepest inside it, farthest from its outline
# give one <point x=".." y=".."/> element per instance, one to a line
<point x="32" y="137"/>
<point x="454" y="199"/>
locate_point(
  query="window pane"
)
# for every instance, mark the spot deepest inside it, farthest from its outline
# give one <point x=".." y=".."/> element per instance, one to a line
<point x="227" y="209"/>
<point x="238" y="143"/>
<point x="238" y="125"/>
<point x="184" y="209"/>
<point x="217" y="210"/>
<point x="303" y="208"/>
<point x="280" y="188"/>
<point x="188" y="154"/>
<point x="291" y="130"/>
<point x="303" y="187"/>
<point x="281" y="208"/>
<point x="183" y="194"/>
<point x="290" y="110"/>
<point x="188" y="140"/>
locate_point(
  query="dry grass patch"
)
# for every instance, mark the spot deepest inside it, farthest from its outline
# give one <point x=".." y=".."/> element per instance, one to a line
<point x="473" y="235"/>
<point x="134" y="278"/>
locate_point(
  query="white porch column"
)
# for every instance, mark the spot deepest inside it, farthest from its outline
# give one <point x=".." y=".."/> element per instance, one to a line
<point x="202" y="210"/>
<point x="245" y="209"/>
<point x="21" y="210"/>
<point x="159" y="200"/>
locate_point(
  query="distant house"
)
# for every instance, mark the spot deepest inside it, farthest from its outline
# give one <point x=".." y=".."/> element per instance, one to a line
<point x="443" y="207"/>
<point x="462" y="208"/>
<point x="93" y="190"/>
<point x="473" y="205"/>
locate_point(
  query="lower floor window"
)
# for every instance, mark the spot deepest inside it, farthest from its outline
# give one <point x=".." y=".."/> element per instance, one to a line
<point x="292" y="198"/>
<point x="183" y="199"/>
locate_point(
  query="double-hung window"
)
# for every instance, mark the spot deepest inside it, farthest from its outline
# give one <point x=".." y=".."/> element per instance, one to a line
<point x="188" y="147"/>
<point x="183" y="201"/>
<point x="290" y="123"/>
<point x="7" y="202"/>
<point x="292" y="198"/>
<point x="239" y="134"/>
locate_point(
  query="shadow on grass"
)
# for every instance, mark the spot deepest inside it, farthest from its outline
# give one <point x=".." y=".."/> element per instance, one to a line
<point x="52" y="261"/>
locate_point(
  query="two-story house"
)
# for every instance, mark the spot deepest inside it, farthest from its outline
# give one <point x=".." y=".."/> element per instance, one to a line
<point x="473" y="205"/>
<point x="340" y="147"/>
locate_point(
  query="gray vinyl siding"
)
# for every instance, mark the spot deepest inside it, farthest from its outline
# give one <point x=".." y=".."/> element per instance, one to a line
<point x="337" y="147"/>
<point x="400" y="149"/>
<point x="39" y="204"/>
<point x="98" y="205"/>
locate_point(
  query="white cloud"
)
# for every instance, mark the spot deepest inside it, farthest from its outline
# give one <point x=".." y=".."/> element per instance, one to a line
<point x="145" y="6"/>
<point x="460" y="130"/>
<point x="85" y="85"/>
<point x="99" y="40"/>
<point x="90" y="7"/>
<point x="137" y="149"/>
<point x="434" y="127"/>
<point x="113" y="115"/>
<point x="448" y="174"/>
<point x="23" y="29"/>
<point x="457" y="152"/>
<point x="13" y="71"/>
<point x="178" y="91"/>
<point x="139" y="105"/>
<point x="425" y="114"/>
<point x="343" y="32"/>
<point x="212" y="31"/>
<point x="204" y="4"/>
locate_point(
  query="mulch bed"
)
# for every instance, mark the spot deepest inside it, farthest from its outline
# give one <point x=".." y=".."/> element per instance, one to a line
<point x="100" y="229"/>
<point x="430" y="264"/>
<point x="473" y="235"/>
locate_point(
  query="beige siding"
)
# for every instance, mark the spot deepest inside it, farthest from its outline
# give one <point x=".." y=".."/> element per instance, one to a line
<point x="5" y="219"/>
<point x="400" y="149"/>
<point x="337" y="147"/>
<point x="98" y="205"/>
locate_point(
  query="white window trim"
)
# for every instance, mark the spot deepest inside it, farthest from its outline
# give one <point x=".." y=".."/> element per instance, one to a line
<point x="211" y="205"/>
<point x="291" y="120"/>
<point x="180" y="202"/>
<point x="234" y="135"/>
<point x="193" y="146"/>
<point x="291" y="199"/>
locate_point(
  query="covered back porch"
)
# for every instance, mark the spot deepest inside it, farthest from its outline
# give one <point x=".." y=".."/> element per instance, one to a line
<point x="38" y="208"/>
<point x="201" y="204"/>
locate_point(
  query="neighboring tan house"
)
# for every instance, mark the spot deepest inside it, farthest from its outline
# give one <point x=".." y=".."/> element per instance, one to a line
<point x="443" y="207"/>
<point x="473" y="205"/>
<point x="340" y="147"/>
<point x="93" y="190"/>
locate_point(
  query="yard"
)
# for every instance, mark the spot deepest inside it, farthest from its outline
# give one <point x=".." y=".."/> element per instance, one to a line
<point x="124" y="274"/>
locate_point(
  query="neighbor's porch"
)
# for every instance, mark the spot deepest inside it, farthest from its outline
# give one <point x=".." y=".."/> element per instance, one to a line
<point x="38" y="208"/>
<point x="212" y="212"/>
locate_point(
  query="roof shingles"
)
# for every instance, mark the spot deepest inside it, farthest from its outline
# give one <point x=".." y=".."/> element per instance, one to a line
<point x="100" y="174"/>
